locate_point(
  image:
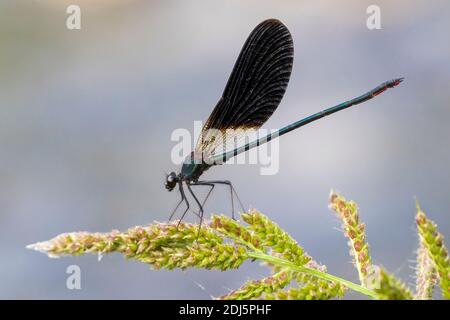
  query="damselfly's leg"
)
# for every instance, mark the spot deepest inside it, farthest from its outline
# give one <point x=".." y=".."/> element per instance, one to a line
<point x="192" y="184"/>
<point x="187" y="203"/>
<point x="232" y="191"/>
<point x="176" y="208"/>
<point x="209" y="192"/>
<point x="199" y="206"/>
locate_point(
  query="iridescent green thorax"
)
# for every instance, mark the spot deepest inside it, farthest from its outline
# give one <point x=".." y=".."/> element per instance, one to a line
<point x="193" y="167"/>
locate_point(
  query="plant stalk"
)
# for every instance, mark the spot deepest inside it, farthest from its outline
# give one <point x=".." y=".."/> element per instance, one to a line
<point x="314" y="272"/>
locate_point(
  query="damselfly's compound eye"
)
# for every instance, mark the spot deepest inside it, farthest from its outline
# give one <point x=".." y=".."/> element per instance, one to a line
<point x="171" y="181"/>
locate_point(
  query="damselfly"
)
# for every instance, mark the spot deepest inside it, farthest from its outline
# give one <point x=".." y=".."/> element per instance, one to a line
<point x="254" y="90"/>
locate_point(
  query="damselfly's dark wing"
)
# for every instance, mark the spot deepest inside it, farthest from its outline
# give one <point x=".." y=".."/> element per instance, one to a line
<point x="254" y="90"/>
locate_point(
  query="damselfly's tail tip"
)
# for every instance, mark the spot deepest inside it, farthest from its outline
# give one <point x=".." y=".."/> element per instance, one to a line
<point x="396" y="82"/>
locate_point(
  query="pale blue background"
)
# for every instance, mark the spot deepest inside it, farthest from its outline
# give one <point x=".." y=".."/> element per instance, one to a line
<point x="86" y="118"/>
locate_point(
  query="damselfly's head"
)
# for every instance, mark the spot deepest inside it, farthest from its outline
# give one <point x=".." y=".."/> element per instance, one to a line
<point x="171" y="181"/>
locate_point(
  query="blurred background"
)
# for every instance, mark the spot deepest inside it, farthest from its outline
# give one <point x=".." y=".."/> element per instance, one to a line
<point x="86" y="117"/>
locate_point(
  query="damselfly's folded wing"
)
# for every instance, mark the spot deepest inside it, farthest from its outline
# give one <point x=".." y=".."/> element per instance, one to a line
<point x="254" y="90"/>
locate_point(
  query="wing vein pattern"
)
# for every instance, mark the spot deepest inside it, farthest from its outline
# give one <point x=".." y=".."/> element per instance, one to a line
<point x="254" y="90"/>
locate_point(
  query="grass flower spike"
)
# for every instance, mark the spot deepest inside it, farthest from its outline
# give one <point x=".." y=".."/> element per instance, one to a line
<point x="224" y="243"/>
<point x="433" y="242"/>
<point x="354" y="230"/>
<point x="426" y="276"/>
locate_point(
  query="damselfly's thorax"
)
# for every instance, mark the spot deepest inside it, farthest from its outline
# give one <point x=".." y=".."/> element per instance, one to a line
<point x="193" y="166"/>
